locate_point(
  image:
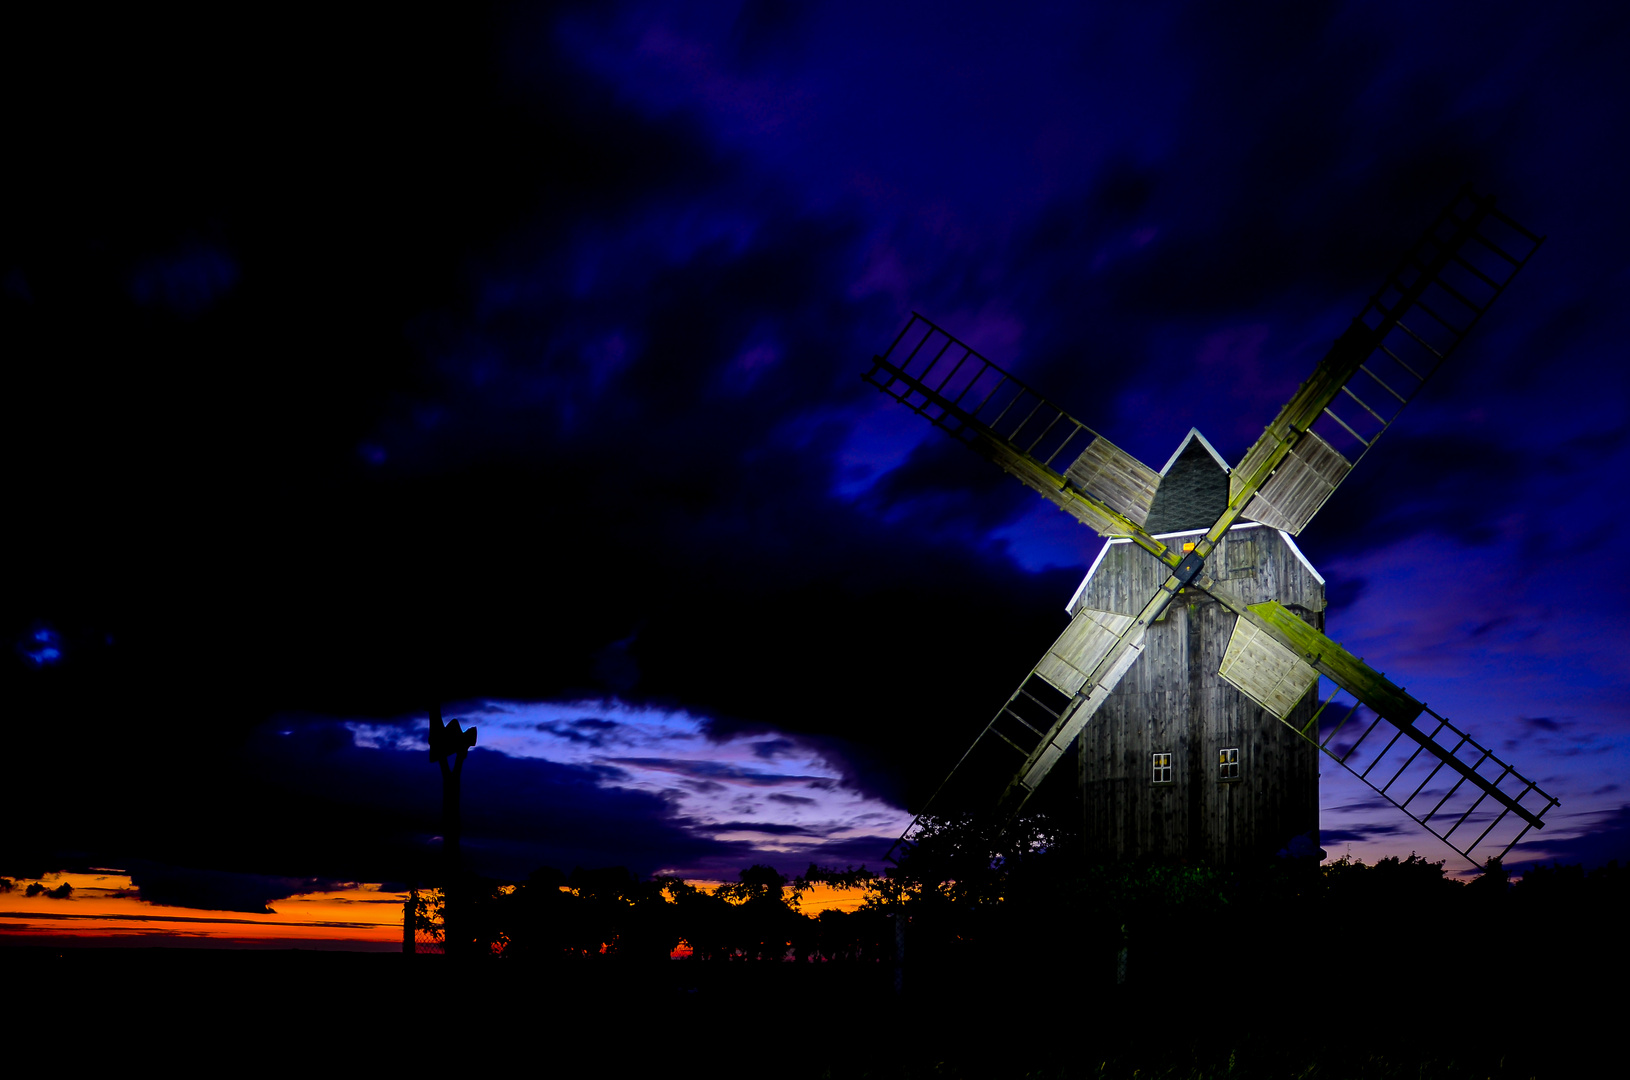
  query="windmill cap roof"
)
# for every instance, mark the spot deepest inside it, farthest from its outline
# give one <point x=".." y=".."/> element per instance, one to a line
<point x="1192" y="437"/>
<point x="1193" y="489"/>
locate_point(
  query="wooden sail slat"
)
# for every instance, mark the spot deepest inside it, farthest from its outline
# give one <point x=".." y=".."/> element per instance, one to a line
<point x="1365" y="368"/>
<point x="1396" y="359"/>
<point x="1127" y="481"/>
<point x="1078" y="650"/>
<point x="1348" y="390"/>
<point x="1116" y="477"/>
<point x="1454" y="292"/>
<point x="1265" y="671"/>
<point x="1301" y="484"/>
<point x="1346" y="426"/>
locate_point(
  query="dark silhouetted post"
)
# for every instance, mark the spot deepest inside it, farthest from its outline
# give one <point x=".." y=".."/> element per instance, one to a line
<point x="410" y="910"/>
<point x="900" y="947"/>
<point x="449" y="741"/>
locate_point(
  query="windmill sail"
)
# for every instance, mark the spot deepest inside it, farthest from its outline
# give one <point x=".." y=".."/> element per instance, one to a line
<point x="1408" y="328"/>
<point x="986" y="408"/>
<point x="1267" y="672"/>
<point x="1467" y="258"/>
<point x="1272" y="652"/>
<point x="983" y="406"/>
<point x="1444" y="804"/>
<point x="1043" y="716"/>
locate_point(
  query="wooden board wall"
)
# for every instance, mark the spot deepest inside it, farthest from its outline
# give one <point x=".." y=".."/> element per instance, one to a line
<point x="1168" y="704"/>
<point x="1127" y="576"/>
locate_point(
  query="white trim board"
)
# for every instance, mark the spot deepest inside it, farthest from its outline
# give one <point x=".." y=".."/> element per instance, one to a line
<point x="1194" y="433"/>
<point x="1069" y="608"/>
<point x="1190" y="532"/>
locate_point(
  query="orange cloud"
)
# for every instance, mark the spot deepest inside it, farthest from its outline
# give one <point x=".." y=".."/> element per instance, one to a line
<point x="102" y="908"/>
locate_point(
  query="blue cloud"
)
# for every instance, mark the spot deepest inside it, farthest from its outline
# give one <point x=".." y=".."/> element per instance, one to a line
<point x="188" y="281"/>
<point x="40" y="647"/>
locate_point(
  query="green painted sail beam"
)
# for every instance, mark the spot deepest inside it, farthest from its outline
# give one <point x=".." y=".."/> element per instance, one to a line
<point x="1103" y="679"/>
<point x="1055" y="489"/>
<point x="1340" y="364"/>
<point x="1330" y="659"/>
<point x="1025" y="467"/>
<point x="1359" y="679"/>
<point x="1346" y="356"/>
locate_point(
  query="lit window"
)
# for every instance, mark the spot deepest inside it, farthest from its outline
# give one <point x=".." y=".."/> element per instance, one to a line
<point x="1163" y="769"/>
<point x="1228" y="764"/>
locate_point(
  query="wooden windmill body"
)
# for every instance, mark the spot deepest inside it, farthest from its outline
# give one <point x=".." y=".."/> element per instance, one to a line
<point x="1194" y="686"/>
<point x="1179" y="763"/>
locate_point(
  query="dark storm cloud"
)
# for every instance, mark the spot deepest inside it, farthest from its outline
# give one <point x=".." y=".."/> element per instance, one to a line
<point x="769" y="749"/>
<point x="854" y="753"/>
<point x="1364" y="803"/>
<point x="1605" y="837"/>
<point x="187" y="281"/>
<point x="381" y="808"/>
<point x="1559" y="737"/>
<point x="217" y="890"/>
<point x="1329" y="837"/>
<point x="1461" y="484"/>
<point x="590" y="731"/>
<point x="851" y="851"/>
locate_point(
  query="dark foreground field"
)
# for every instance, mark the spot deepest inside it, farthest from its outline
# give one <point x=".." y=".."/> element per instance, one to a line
<point x="1242" y="1016"/>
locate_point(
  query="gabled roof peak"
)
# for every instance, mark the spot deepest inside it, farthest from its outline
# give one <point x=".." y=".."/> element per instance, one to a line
<point x="1194" y="433"/>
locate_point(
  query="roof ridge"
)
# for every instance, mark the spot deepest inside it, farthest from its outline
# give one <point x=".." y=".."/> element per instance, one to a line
<point x="1194" y="433"/>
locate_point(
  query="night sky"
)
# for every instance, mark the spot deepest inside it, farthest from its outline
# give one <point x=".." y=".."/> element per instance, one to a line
<point x="510" y="359"/>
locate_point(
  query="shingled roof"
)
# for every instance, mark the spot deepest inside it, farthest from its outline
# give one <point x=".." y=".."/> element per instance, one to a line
<point x="1193" y="489"/>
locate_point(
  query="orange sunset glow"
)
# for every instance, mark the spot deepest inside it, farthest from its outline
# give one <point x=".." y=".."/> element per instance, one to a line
<point x="816" y="899"/>
<point x="101" y="907"/>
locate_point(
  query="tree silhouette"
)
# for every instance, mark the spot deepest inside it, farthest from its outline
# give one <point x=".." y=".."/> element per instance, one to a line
<point x="765" y="924"/>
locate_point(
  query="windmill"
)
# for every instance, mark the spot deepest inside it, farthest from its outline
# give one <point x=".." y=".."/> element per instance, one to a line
<point x="1188" y="679"/>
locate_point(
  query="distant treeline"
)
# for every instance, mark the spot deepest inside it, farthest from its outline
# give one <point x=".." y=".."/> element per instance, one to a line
<point x="610" y="915"/>
<point x="966" y="896"/>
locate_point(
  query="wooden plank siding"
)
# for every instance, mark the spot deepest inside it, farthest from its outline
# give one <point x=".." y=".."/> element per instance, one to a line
<point x="1109" y="473"/>
<point x="1300" y="485"/>
<point x="1173" y="701"/>
<point x="1077" y="651"/>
